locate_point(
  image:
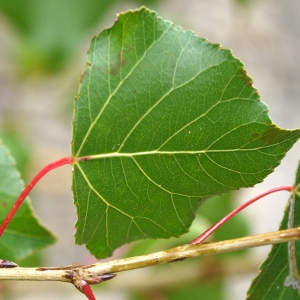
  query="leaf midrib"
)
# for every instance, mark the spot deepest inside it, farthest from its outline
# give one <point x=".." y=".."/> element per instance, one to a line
<point x="155" y="152"/>
<point x="117" y="88"/>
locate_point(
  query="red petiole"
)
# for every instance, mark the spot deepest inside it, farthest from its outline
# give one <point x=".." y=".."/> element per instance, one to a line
<point x="86" y="289"/>
<point x="29" y="187"/>
<point x="70" y="160"/>
<point x="213" y="228"/>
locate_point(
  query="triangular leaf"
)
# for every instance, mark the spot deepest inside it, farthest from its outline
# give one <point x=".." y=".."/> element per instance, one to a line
<point x="24" y="234"/>
<point x="279" y="274"/>
<point x="163" y="119"/>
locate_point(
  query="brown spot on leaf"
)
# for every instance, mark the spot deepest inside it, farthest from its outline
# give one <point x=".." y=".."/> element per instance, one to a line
<point x="118" y="64"/>
<point x="270" y="134"/>
<point x="85" y="72"/>
<point x="247" y="79"/>
<point x="254" y="136"/>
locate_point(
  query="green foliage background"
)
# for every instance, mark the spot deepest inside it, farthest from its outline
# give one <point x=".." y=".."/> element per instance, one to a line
<point x="274" y="70"/>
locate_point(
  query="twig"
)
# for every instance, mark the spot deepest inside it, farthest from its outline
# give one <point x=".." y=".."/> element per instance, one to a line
<point x="171" y="255"/>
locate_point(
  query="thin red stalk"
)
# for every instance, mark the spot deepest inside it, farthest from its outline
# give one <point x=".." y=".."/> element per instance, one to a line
<point x="86" y="289"/>
<point x="28" y="188"/>
<point x="213" y="228"/>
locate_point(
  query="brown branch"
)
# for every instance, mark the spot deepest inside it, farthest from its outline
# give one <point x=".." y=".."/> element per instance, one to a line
<point x="89" y="272"/>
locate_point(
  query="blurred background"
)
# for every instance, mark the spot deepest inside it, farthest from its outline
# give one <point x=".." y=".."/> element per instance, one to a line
<point x="43" y="48"/>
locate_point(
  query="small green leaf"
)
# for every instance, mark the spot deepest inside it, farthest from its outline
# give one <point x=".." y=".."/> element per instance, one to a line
<point x="279" y="274"/>
<point x="163" y="120"/>
<point x="24" y="234"/>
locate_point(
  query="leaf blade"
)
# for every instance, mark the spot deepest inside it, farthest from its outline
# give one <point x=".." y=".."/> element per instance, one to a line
<point x="163" y="120"/>
<point x="24" y="234"/>
<point x="279" y="274"/>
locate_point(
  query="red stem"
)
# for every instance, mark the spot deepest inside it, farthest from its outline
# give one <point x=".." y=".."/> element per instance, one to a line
<point x="86" y="289"/>
<point x="213" y="228"/>
<point x="28" y="188"/>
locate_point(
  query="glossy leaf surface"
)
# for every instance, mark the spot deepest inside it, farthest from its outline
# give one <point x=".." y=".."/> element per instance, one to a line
<point x="24" y="234"/>
<point x="279" y="277"/>
<point x="163" y="120"/>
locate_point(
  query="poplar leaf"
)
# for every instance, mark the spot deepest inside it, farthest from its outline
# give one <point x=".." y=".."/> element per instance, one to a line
<point x="24" y="234"/>
<point x="279" y="277"/>
<point x="163" y="120"/>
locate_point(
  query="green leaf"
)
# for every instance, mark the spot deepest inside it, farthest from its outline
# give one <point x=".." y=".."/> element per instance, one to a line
<point x="24" y="234"/>
<point x="18" y="148"/>
<point x="279" y="274"/>
<point x="163" y="120"/>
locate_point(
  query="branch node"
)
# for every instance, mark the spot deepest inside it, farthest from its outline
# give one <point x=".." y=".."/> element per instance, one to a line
<point x="7" y="264"/>
<point x="82" y="278"/>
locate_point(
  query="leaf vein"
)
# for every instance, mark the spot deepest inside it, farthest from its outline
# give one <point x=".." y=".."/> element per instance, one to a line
<point x="155" y="183"/>
<point x="104" y="201"/>
<point x="115" y="91"/>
